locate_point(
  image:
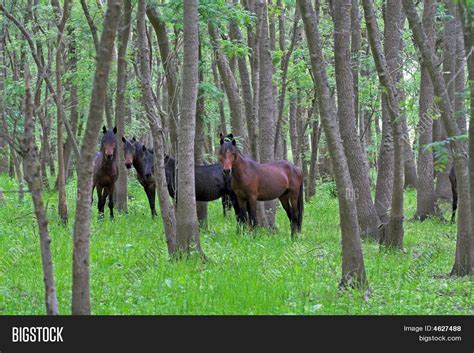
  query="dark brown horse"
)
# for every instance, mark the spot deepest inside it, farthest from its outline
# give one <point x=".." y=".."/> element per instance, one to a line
<point x="106" y="170"/>
<point x="141" y="158"/>
<point x="252" y="182"/>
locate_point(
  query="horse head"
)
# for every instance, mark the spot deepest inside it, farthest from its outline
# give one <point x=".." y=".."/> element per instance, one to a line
<point x="227" y="152"/>
<point x="129" y="152"/>
<point x="108" y="143"/>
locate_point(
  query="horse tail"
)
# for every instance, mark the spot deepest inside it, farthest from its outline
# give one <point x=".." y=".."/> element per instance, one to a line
<point x="299" y="220"/>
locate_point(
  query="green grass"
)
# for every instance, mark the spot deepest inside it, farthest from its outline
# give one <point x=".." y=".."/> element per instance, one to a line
<point x="248" y="273"/>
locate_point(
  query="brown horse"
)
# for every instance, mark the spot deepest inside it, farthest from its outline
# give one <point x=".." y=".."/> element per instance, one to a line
<point x="106" y="170"/>
<point x="252" y="182"/>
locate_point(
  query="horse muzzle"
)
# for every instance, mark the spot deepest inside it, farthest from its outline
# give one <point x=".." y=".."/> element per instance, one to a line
<point x="128" y="165"/>
<point x="109" y="157"/>
<point x="227" y="171"/>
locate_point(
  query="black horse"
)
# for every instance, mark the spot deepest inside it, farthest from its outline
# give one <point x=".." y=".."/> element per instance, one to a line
<point x="210" y="181"/>
<point x="106" y="170"/>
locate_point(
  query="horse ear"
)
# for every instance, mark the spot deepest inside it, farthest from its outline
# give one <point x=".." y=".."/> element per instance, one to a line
<point x="115" y="129"/>
<point x="104" y="129"/>
<point x="143" y="148"/>
<point x="233" y="142"/>
<point x="134" y="139"/>
<point x="221" y="136"/>
<point x="231" y="136"/>
<point x="124" y="139"/>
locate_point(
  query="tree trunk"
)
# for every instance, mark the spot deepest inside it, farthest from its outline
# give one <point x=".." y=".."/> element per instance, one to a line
<point x="313" y="166"/>
<point x="166" y="207"/>
<point x="123" y="37"/>
<point x="467" y="24"/>
<point x="199" y="141"/>
<point x="463" y="263"/>
<point x="170" y="66"/>
<point x="247" y="94"/>
<point x="369" y="221"/>
<point x="80" y="267"/>
<point x="353" y="269"/>
<point x="62" y="203"/>
<point x="187" y="230"/>
<point x="217" y="83"/>
<point x="3" y="142"/>
<point x="425" y="192"/>
<point x="393" y="234"/>
<point x="443" y="185"/>
<point x="266" y="119"/>
<point x="31" y="166"/>
<point x="232" y="90"/>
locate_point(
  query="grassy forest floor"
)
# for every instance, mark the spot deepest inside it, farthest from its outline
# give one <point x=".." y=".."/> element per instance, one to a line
<point x="248" y="273"/>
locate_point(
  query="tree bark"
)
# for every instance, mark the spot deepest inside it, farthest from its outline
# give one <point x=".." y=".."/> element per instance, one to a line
<point x="154" y="121"/>
<point x="353" y="269"/>
<point x="170" y="66"/>
<point x="467" y="24"/>
<point x="187" y="230"/>
<point x="369" y="221"/>
<point x="62" y="203"/>
<point x="199" y="141"/>
<point x="266" y="119"/>
<point x="232" y="90"/>
<point x="123" y="37"/>
<point x="425" y="192"/>
<point x="393" y="234"/>
<point x="80" y="268"/>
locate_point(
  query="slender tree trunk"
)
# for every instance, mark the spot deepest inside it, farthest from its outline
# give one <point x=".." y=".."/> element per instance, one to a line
<point x="247" y="94"/>
<point x="266" y="119"/>
<point x="313" y="166"/>
<point x="443" y="185"/>
<point x="393" y="234"/>
<point x="80" y="268"/>
<point x="232" y="90"/>
<point x="425" y="192"/>
<point x="217" y="83"/>
<point x="369" y="221"/>
<point x="463" y="262"/>
<point x="170" y="66"/>
<point x="467" y="25"/>
<point x="3" y="143"/>
<point x="154" y="120"/>
<point x="62" y="203"/>
<point x="33" y="177"/>
<point x="353" y="269"/>
<point x="73" y="102"/>
<point x="199" y="140"/>
<point x="123" y="37"/>
<point x="187" y="230"/>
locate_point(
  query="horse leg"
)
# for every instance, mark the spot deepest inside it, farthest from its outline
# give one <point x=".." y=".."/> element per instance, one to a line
<point x="455" y="203"/>
<point x="111" y="201"/>
<point x="242" y="211"/>
<point x="285" y="202"/>
<point x="234" y="203"/>
<point x="150" y="193"/>
<point x="294" y="199"/>
<point x="100" y="201"/>
<point x="252" y="203"/>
